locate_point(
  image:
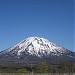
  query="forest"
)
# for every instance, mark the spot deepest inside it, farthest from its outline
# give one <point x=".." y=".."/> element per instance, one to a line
<point x="41" y="67"/>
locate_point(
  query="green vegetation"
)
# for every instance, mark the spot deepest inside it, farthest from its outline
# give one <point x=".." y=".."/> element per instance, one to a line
<point x="65" y="67"/>
<point x="23" y="70"/>
<point x="41" y="67"/>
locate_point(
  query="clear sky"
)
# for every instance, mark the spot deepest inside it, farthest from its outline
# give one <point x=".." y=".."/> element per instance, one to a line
<point x="50" y="19"/>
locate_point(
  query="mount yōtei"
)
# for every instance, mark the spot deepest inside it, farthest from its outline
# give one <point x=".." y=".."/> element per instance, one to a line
<point x="34" y="49"/>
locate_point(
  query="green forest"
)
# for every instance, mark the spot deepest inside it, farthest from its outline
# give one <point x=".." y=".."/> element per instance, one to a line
<point x="41" y="67"/>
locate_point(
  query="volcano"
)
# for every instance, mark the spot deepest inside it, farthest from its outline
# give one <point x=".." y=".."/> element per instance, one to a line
<point x="34" y="49"/>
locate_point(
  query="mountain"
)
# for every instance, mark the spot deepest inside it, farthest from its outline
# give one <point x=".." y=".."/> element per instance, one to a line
<point x="34" y="49"/>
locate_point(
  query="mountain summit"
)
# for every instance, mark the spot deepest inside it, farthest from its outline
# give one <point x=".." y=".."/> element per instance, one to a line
<point x="33" y="49"/>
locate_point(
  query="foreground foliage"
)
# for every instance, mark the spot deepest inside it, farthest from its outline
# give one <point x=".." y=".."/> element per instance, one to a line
<point x="42" y="67"/>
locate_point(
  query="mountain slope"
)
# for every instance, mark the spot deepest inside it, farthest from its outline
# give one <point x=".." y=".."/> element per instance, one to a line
<point x="33" y="49"/>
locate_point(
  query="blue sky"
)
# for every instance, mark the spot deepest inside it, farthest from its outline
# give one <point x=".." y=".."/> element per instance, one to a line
<point x="50" y="19"/>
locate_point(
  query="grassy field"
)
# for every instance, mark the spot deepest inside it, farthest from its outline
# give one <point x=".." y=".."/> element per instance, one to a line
<point x="37" y="74"/>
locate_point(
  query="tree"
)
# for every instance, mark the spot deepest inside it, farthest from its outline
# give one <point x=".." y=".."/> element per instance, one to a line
<point x="65" y="67"/>
<point x="23" y="70"/>
<point x="42" y="67"/>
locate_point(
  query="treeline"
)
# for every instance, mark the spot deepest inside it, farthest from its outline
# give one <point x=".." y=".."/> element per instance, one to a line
<point x="41" y="67"/>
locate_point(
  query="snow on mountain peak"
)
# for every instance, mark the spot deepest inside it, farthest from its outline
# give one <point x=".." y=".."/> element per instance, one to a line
<point x="36" y="46"/>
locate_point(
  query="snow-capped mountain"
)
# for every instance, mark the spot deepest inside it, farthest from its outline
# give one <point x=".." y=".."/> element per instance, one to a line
<point x="35" y="48"/>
